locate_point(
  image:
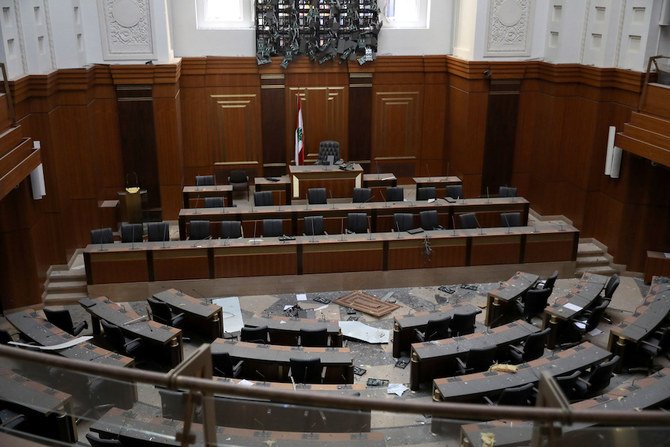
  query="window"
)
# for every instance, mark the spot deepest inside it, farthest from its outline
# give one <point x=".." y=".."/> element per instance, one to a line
<point x="407" y="13"/>
<point x="224" y="14"/>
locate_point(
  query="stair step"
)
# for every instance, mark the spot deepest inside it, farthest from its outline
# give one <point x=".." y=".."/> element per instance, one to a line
<point x="66" y="286"/>
<point x="53" y="299"/>
<point x="588" y="249"/>
<point x="67" y="275"/>
<point x="605" y="270"/>
<point x="592" y="261"/>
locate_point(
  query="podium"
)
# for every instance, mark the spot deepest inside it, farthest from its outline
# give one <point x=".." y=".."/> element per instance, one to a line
<point x="131" y="204"/>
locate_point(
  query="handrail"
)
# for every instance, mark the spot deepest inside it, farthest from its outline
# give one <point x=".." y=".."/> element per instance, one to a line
<point x="458" y="411"/>
<point x="8" y="92"/>
<point x="652" y="60"/>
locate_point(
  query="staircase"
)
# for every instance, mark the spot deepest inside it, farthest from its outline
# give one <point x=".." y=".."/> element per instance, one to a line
<point x="592" y="257"/>
<point x="65" y="284"/>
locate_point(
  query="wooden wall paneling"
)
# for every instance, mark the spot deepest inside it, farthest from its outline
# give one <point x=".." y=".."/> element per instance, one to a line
<point x="188" y="263"/>
<point x="489" y="250"/>
<point x="412" y="254"/>
<point x="167" y="116"/>
<point x="274" y="124"/>
<point x="106" y="145"/>
<point x="197" y="152"/>
<point x="523" y="142"/>
<point x="360" y="119"/>
<point x="343" y="257"/>
<point x="434" y="119"/>
<point x="239" y="261"/>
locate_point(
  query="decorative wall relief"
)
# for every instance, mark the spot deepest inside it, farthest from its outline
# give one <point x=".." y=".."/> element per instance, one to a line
<point x="126" y="29"/>
<point x="509" y="30"/>
<point x="321" y="29"/>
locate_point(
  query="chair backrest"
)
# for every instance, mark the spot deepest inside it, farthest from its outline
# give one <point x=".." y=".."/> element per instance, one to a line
<point x="314" y="225"/>
<point x="534" y="301"/>
<point x="403" y="221"/>
<point x="254" y="334"/>
<point x="272" y="228"/>
<point x="468" y="220"/>
<point x="314" y="337"/>
<point x="462" y="324"/>
<point x="5" y="337"/>
<point x="357" y="222"/>
<point x="328" y="148"/>
<point x="132" y="232"/>
<point x="238" y="176"/>
<point x="264" y="198"/>
<point x="102" y="236"/>
<point x="114" y="335"/>
<point x="567" y="382"/>
<point x="426" y="193"/>
<point x="602" y="374"/>
<point x="506" y="191"/>
<point x="362" y="195"/>
<point x="438" y="329"/>
<point x="60" y="318"/>
<point x="595" y="316"/>
<point x="317" y="196"/>
<point x="520" y="395"/>
<point x="222" y="364"/>
<point x="231" y="229"/>
<point x="395" y="194"/>
<point x="510" y="219"/>
<point x="551" y="280"/>
<point x="160" y="311"/>
<point x="306" y="370"/>
<point x="611" y="286"/>
<point x="455" y="191"/>
<point x="158" y="231"/>
<point x="198" y="229"/>
<point x="533" y="347"/>
<point x="480" y="359"/>
<point x="429" y="220"/>
<point x="204" y="180"/>
<point x="214" y="202"/>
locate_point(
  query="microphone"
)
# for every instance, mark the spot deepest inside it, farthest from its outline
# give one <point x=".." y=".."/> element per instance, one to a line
<point x="342" y="229"/>
<point x="397" y="227"/>
<point x="313" y="237"/>
<point x="509" y="229"/>
<point x="254" y="241"/>
<point x="365" y="201"/>
<point x="331" y="198"/>
<point x="488" y="198"/>
<point x="369" y="229"/>
<point x="165" y="235"/>
<point x="453" y="225"/>
<point x="385" y="202"/>
<point x="197" y="200"/>
<point x="260" y="374"/>
<point x="280" y="200"/>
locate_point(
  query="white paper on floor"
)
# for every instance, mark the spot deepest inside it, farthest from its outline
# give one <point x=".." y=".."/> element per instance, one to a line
<point x="301" y="296"/>
<point x="595" y="332"/>
<point x="232" y="314"/>
<point x="360" y="331"/>
<point x="396" y="388"/>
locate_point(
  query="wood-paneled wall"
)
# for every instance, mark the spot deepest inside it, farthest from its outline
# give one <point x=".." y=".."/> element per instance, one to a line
<point x="408" y="115"/>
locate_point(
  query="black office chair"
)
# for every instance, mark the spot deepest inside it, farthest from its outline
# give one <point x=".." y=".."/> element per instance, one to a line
<point x="610" y="287"/>
<point x="547" y="283"/>
<point x="532" y="303"/>
<point x="5" y="338"/>
<point x="429" y="220"/>
<point x="102" y="236"/>
<point x="132" y="232"/>
<point x="214" y="202"/>
<point x="317" y="196"/>
<point x="519" y="396"/>
<point x="568" y="384"/>
<point x="264" y="198"/>
<point x="506" y="191"/>
<point x="97" y="441"/>
<point x="61" y="318"/>
<point x="11" y="420"/>
<point x="231" y="229"/>
<point x="162" y="313"/>
<point x="328" y="148"/>
<point x="395" y="194"/>
<point x="314" y="226"/>
<point x="651" y="347"/>
<point x="435" y="329"/>
<point x="239" y="181"/>
<point x="198" y="230"/>
<point x="476" y="360"/>
<point x="362" y="195"/>
<point x="597" y="378"/>
<point x="357" y="223"/>
<point x="258" y="334"/>
<point x="531" y="348"/>
<point x="455" y="191"/>
<point x="463" y="323"/>
<point x="403" y="221"/>
<point x="468" y="220"/>
<point x="314" y="337"/>
<point x="306" y="370"/>
<point x="205" y="180"/>
<point x="222" y="365"/>
<point x="119" y="342"/>
<point x="575" y="329"/>
<point x="273" y="228"/>
<point x="158" y="231"/>
<point x="510" y="219"/>
<point x="426" y="193"/>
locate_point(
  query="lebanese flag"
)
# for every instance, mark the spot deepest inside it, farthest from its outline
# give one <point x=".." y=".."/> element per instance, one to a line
<point x="299" y="138"/>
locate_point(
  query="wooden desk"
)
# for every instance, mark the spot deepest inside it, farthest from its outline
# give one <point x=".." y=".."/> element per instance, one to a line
<point x="488" y="209"/>
<point x="271" y="362"/>
<point x="48" y="411"/>
<point x="206" y="319"/>
<point x="473" y="387"/>
<point x="626" y="335"/>
<point x="437" y="358"/>
<point x="194" y="196"/>
<point x="165" y="339"/>
<point x="646" y="392"/>
<point x="573" y="303"/>
<point x="439" y="182"/>
<point x="378" y="184"/>
<point x="656" y="264"/>
<point x="339" y="182"/>
<point x="405" y="326"/>
<point x="285" y="330"/>
<point x="281" y="189"/>
<point x="502" y="296"/>
<point x="145" y="428"/>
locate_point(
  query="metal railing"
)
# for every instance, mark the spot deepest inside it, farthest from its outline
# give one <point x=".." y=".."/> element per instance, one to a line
<point x="652" y="61"/>
<point x="8" y="92"/>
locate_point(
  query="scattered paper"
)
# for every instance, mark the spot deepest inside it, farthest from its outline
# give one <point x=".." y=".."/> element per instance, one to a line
<point x="65" y="345"/>
<point x="396" y="388"/>
<point x="595" y="332"/>
<point x="232" y="314"/>
<point x="245" y="382"/>
<point x="572" y="307"/>
<point x="321" y="308"/>
<point x="287" y="307"/>
<point x="301" y="296"/>
<point x="360" y="331"/>
<point x="488" y="439"/>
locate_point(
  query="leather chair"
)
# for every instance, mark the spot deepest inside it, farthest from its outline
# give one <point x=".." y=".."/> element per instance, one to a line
<point x="205" y="180"/>
<point x="435" y="329"/>
<point x="199" y="230"/>
<point x="548" y="282"/>
<point x="506" y="191"/>
<point x="132" y="232"/>
<point x="273" y="228"/>
<point x="510" y="219"/>
<point x="519" y="396"/>
<point x="95" y="441"/>
<point x="426" y="193"/>
<point x="395" y="194"/>
<point x="61" y="318"/>
<point x="455" y="191"/>
<point x="214" y="202"/>
<point x="403" y="221"/>
<point x="255" y="334"/>
<point x="119" y="342"/>
<point x="314" y="226"/>
<point x="264" y="198"/>
<point x="463" y="324"/>
<point x="531" y="348"/>
<point x="328" y="148"/>
<point x="162" y="313"/>
<point x="429" y="220"/>
<point x="239" y="181"/>
<point x="532" y="303"/>
<point x="357" y="223"/>
<point x="158" y="231"/>
<point x="222" y="365"/>
<point x="231" y="229"/>
<point x="102" y="236"/>
<point x="306" y="370"/>
<point x="597" y="378"/>
<point x="317" y="196"/>
<point x="468" y="220"/>
<point x="362" y="195"/>
<point x="476" y="360"/>
<point x="314" y="337"/>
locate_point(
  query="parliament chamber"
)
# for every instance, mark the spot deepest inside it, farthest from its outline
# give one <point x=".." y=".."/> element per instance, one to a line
<point x="372" y="223"/>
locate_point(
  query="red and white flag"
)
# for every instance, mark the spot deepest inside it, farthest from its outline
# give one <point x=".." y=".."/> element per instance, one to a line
<point x="299" y="138"/>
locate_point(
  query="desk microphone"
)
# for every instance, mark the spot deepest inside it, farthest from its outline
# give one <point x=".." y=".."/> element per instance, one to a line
<point x="313" y="237"/>
<point x="365" y="201"/>
<point x="509" y="229"/>
<point x="342" y="229"/>
<point x="384" y="198"/>
<point x="132" y="237"/>
<point x="254" y="238"/>
<point x="331" y="198"/>
<point x="488" y="198"/>
<point x="197" y="201"/>
<point x="428" y="171"/>
<point x="165" y="234"/>
<point x="453" y="225"/>
<point x="369" y="229"/>
<point x="397" y="228"/>
<point x="260" y="374"/>
<point x="280" y="200"/>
